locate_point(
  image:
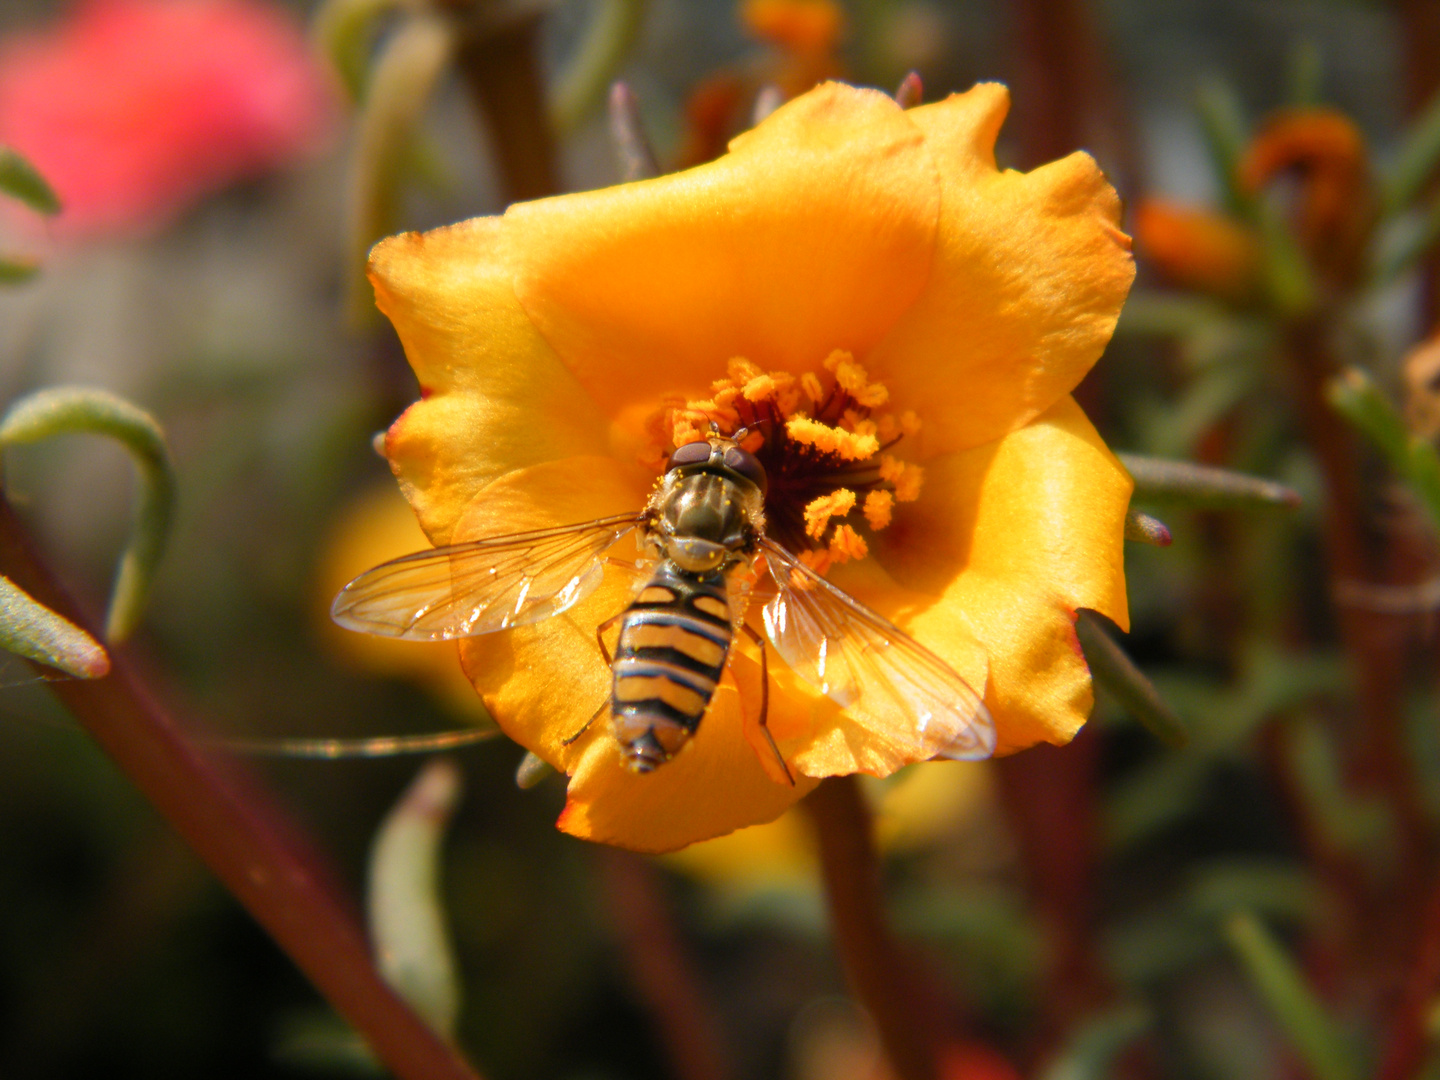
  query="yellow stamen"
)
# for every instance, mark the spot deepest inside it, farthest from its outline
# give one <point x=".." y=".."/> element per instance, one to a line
<point x="878" y="505"/>
<point x="847" y="544"/>
<point x="851" y="420"/>
<point x="852" y="379"/>
<point x="685" y="432"/>
<point x="742" y="370"/>
<point x="818" y="512"/>
<point x="829" y="440"/>
<point x="766" y="387"/>
<point x="904" y="476"/>
<point x="818" y="560"/>
<point x="813" y="446"/>
<point x="810" y="383"/>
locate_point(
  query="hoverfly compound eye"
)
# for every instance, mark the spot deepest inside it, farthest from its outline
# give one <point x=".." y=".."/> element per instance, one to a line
<point x="692" y="453"/>
<point x="746" y="464"/>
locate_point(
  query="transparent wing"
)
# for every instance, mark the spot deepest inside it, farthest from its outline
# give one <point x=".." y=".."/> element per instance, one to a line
<point x="482" y="586"/>
<point x="887" y="681"/>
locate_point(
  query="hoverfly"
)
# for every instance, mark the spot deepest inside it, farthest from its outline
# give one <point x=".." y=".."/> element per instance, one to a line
<point x="702" y="534"/>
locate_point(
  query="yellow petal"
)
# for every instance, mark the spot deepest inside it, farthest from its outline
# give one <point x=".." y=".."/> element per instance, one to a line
<point x="1030" y="271"/>
<point x="495" y="397"/>
<point x="1016" y="535"/>
<point x="814" y="233"/>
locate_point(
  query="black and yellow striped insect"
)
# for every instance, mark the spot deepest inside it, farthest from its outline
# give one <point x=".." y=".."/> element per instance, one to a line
<point x="703" y="534"/>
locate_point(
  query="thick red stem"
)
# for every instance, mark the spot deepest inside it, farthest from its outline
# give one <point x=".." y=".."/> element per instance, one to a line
<point x="659" y="966"/>
<point x="501" y="67"/>
<point x="1049" y="794"/>
<point x="241" y="836"/>
<point x="908" y="1013"/>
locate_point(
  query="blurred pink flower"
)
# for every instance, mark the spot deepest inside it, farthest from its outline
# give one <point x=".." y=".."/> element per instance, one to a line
<point x="134" y="109"/>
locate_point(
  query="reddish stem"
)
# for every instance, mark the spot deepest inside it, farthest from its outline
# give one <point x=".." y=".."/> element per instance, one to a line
<point x="1376" y="642"/>
<point x="1049" y="794"/>
<point x="1409" y="1041"/>
<point x="659" y="966"/>
<point x="241" y="836"/>
<point x="907" y="1012"/>
<point x="501" y="67"/>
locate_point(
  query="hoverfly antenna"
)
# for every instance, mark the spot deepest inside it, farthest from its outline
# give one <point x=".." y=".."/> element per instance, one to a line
<point x="714" y="428"/>
<point x="739" y="433"/>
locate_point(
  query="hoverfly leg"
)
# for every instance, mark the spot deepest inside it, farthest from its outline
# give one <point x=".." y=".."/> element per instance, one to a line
<point x="609" y="661"/>
<point x="600" y="638"/>
<point x="586" y="726"/>
<point x="759" y="640"/>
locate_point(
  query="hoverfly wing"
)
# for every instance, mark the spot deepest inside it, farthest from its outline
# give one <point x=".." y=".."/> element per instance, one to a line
<point x="886" y="680"/>
<point x="464" y="590"/>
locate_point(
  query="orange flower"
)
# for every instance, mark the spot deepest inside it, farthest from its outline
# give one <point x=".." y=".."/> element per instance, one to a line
<point x="845" y="249"/>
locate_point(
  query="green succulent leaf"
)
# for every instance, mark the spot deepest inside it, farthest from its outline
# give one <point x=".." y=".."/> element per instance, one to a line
<point x="21" y="180"/>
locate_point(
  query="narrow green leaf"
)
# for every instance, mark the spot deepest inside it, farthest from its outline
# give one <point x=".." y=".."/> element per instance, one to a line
<point x="1405" y="242"/>
<point x="1360" y="401"/>
<point x="1304" y="72"/>
<point x="344" y="30"/>
<point x="1226" y="134"/>
<point x="317" y="1041"/>
<point x="1296" y="1009"/>
<point x="1363" y="827"/>
<point x="1144" y="529"/>
<point x="1289" y="284"/>
<point x="31" y="630"/>
<point x="586" y="76"/>
<point x="531" y="770"/>
<point x="1118" y="674"/>
<point x="407" y="918"/>
<point x="1192" y="485"/>
<point x="627" y="134"/>
<point x="21" y="180"/>
<point x="17" y="269"/>
<point x="402" y="79"/>
<point x="71" y="410"/>
<point x="911" y="91"/>
<point x="1412" y="168"/>
<point x="1091" y="1051"/>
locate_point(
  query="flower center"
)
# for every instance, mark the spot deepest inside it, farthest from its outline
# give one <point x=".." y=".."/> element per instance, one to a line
<point x="823" y="438"/>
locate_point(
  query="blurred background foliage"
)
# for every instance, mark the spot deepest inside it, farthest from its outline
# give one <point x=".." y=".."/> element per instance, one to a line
<point x="1259" y="902"/>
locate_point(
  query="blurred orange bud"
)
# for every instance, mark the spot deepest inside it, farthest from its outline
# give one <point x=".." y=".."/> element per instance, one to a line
<point x="974" y="1061"/>
<point x="806" y="34"/>
<point x="714" y="112"/>
<point x="797" y="26"/>
<point x="1326" y="152"/>
<point x="1421" y="374"/>
<point x="1198" y="249"/>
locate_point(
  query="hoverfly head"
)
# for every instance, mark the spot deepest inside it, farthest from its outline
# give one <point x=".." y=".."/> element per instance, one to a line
<point x="719" y="454"/>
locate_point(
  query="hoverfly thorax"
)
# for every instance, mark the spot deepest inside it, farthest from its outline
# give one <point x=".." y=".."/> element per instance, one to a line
<point x="709" y="508"/>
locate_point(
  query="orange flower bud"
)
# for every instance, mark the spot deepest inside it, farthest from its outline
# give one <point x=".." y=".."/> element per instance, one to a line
<point x="1198" y="249"/>
<point x="1326" y="150"/>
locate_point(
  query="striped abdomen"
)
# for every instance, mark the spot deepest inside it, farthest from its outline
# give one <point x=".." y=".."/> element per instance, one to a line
<point x="674" y="640"/>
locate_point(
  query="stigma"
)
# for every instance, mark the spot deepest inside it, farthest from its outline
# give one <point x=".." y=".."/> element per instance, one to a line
<point x="824" y="437"/>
